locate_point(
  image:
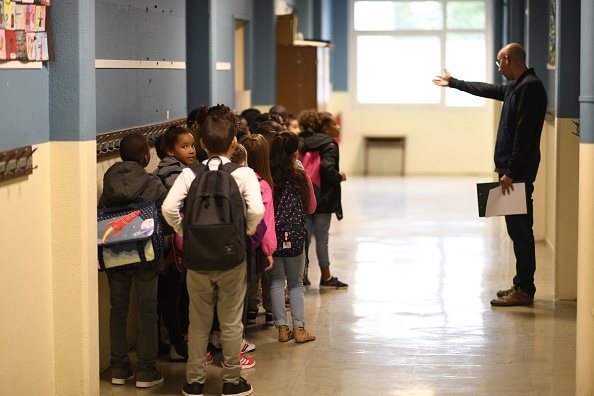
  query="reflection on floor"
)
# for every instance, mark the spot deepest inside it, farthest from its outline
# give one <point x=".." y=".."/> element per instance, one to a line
<point x="416" y="319"/>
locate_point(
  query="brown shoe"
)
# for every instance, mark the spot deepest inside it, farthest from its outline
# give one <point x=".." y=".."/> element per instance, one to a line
<point x="285" y="334"/>
<point x="515" y="298"/>
<point x="503" y="293"/>
<point x="302" y="335"/>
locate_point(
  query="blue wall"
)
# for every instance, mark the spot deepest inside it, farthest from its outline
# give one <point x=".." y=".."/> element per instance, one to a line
<point x="225" y="13"/>
<point x="264" y="53"/>
<point x="199" y="53"/>
<point x="140" y="30"/>
<point x="24" y="107"/>
<point x="339" y="56"/>
<point x="568" y="59"/>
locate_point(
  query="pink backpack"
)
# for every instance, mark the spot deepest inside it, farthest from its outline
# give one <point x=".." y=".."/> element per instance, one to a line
<point x="311" y="163"/>
<point x="177" y="243"/>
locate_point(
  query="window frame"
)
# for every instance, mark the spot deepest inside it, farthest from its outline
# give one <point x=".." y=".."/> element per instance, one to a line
<point x="352" y="60"/>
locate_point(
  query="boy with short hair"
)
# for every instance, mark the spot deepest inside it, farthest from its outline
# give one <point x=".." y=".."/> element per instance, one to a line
<point x="226" y="288"/>
<point x="123" y="183"/>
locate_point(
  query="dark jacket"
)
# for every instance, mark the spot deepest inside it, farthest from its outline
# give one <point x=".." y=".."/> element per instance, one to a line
<point x="126" y="182"/>
<point x="168" y="170"/>
<point x="517" y="149"/>
<point x="328" y="195"/>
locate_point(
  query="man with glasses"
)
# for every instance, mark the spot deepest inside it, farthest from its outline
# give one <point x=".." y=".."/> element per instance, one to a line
<point x="517" y="155"/>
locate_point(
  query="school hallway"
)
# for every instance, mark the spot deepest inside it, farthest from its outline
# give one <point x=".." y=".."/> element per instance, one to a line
<point x="416" y="319"/>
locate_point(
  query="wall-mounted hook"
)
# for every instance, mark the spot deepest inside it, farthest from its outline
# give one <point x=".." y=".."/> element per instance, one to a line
<point x="577" y="124"/>
<point x="16" y="163"/>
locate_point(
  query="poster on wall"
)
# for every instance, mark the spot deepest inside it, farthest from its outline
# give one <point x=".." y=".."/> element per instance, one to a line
<point x="23" y="30"/>
<point x="10" y="45"/>
<point x="2" y="45"/>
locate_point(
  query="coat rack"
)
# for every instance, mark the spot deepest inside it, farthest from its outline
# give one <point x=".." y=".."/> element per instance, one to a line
<point x="108" y="144"/>
<point x="16" y="163"/>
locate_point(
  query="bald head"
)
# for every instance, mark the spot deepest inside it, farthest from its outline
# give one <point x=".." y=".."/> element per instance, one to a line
<point x="516" y="53"/>
<point x="512" y="61"/>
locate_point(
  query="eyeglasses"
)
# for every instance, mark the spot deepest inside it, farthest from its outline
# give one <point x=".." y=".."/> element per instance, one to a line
<point x="498" y="62"/>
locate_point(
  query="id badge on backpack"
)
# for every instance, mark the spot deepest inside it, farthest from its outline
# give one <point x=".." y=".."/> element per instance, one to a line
<point x="129" y="235"/>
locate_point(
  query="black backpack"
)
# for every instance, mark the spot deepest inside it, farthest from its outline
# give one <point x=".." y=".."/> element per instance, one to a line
<point x="214" y="220"/>
<point x="289" y="222"/>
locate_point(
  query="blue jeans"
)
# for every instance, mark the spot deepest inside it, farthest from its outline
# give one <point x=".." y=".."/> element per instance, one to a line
<point x="292" y="269"/>
<point x="319" y="225"/>
<point x="146" y="285"/>
<point x="519" y="228"/>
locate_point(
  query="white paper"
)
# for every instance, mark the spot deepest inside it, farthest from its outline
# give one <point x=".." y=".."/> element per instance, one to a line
<point x="509" y="204"/>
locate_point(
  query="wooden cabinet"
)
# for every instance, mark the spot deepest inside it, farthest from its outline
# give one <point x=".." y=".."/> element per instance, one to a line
<point x="302" y="76"/>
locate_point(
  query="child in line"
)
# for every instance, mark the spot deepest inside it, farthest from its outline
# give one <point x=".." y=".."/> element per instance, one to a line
<point x="293" y="197"/>
<point x="177" y="150"/>
<point x="123" y="183"/>
<point x="319" y="131"/>
<point x="259" y="160"/>
<point x="293" y="124"/>
<point x="225" y="289"/>
<point x="239" y="155"/>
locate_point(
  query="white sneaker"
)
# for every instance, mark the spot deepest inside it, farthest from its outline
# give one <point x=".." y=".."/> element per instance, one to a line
<point x="180" y="355"/>
<point x="247" y="346"/>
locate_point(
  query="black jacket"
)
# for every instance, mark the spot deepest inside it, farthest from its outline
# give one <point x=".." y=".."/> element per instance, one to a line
<point x="126" y="182"/>
<point x="328" y="195"/>
<point x="517" y="149"/>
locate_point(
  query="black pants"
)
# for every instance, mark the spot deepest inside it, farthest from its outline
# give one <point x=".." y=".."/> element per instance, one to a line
<point x="519" y="228"/>
<point x="168" y="306"/>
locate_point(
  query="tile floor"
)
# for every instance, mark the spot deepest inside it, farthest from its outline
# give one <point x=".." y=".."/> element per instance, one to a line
<point x="416" y="319"/>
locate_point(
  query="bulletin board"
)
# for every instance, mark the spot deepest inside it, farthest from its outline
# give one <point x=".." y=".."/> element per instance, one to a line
<point x="25" y="31"/>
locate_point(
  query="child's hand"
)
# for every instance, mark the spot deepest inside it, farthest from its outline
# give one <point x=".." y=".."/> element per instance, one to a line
<point x="270" y="263"/>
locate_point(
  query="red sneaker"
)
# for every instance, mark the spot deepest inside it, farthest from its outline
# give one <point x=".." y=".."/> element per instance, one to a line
<point x="246" y="362"/>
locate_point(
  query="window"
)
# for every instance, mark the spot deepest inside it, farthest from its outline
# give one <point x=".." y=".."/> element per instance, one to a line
<point x="400" y="45"/>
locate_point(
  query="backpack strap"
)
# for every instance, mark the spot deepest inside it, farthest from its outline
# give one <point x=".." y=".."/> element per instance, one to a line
<point x="140" y="249"/>
<point x="229" y="167"/>
<point x="198" y="168"/>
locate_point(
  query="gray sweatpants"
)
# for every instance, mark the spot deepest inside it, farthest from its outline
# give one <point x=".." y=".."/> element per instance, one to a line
<point x="225" y="290"/>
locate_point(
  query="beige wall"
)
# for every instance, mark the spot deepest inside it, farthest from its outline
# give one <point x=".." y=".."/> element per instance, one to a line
<point x="26" y="282"/>
<point x="47" y="279"/>
<point x="566" y="193"/>
<point x="438" y="142"/>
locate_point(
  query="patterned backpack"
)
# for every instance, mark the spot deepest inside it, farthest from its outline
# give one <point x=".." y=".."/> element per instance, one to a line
<point x="289" y="221"/>
<point x="129" y="236"/>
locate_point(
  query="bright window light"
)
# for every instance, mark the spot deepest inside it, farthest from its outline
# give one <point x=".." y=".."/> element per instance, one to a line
<point x="400" y="45"/>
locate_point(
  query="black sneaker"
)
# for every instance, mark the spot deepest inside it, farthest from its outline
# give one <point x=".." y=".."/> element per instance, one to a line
<point x="306" y="282"/>
<point x="241" y="389"/>
<point x="269" y="320"/>
<point x="146" y="379"/>
<point x="193" y="389"/>
<point x="120" y="376"/>
<point x="252" y="317"/>
<point x="333" y="283"/>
